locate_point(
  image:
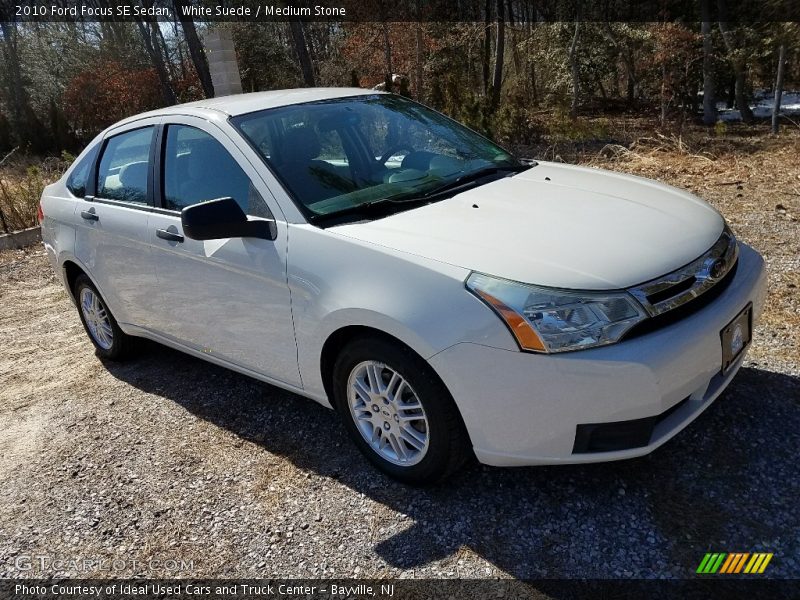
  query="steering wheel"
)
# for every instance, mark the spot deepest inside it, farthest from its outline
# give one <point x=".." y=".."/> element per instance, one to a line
<point x="393" y="151"/>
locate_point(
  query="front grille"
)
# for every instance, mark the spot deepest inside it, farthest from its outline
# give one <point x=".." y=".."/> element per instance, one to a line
<point x="619" y="435"/>
<point x="683" y="285"/>
<point x="689" y="308"/>
<point x="672" y="291"/>
<point x="674" y="296"/>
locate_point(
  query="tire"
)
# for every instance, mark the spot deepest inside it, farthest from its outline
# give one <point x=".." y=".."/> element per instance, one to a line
<point x="409" y="397"/>
<point x="109" y="340"/>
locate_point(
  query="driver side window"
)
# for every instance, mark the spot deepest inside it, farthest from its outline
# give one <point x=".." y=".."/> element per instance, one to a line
<point x="197" y="168"/>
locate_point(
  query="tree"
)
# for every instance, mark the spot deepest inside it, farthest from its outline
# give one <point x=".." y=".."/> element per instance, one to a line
<point x="108" y="91"/>
<point x="500" y="47"/>
<point x="387" y="56"/>
<point x="154" y="51"/>
<point x="709" y="99"/>
<point x="776" y="107"/>
<point x="625" y="53"/>
<point x="300" y="47"/>
<point x="195" y="49"/>
<point x="573" y="65"/>
<point x="487" y="45"/>
<point x="418" y="45"/>
<point x="739" y="64"/>
<point x="26" y="126"/>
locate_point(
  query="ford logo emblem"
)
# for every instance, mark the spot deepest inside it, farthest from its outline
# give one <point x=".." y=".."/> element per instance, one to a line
<point x="717" y="268"/>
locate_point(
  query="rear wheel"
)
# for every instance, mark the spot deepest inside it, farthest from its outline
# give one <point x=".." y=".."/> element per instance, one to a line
<point x="101" y="327"/>
<point x="398" y="412"/>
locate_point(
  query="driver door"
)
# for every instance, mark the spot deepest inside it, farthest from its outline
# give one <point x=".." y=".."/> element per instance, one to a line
<point x="226" y="298"/>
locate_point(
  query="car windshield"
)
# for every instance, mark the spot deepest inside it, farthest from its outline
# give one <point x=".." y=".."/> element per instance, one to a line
<point x="341" y="155"/>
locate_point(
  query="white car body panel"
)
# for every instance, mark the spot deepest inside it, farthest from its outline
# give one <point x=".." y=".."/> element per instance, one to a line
<point x="559" y="226"/>
<point x="266" y="308"/>
<point x="337" y="282"/>
<point x="226" y="298"/>
<point x="544" y="397"/>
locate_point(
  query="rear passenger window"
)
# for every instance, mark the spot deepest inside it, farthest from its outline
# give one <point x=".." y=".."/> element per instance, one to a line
<point x="79" y="178"/>
<point x="198" y="168"/>
<point x="122" y="174"/>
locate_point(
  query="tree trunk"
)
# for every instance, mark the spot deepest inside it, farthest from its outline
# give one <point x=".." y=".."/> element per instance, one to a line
<point x="16" y="91"/>
<point x="601" y="87"/>
<point x="164" y="50"/>
<point x="487" y="45"/>
<point x="630" y="75"/>
<point x="500" y="48"/>
<point x="195" y="50"/>
<point x="741" y="98"/>
<point x="154" y="52"/>
<point x="418" y="92"/>
<point x="739" y="68"/>
<point x="664" y="100"/>
<point x="709" y="99"/>
<point x="573" y="63"/>
<point x="387" y="57"/>
<point x="776" y="107"/>
<point x="301" y="48"/>
<point x="179" y="49"/>
<point x="626" y="54"/>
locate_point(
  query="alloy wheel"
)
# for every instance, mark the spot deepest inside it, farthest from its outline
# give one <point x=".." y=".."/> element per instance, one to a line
<point x="97" y="319"/>
<point x="388" y="413"/>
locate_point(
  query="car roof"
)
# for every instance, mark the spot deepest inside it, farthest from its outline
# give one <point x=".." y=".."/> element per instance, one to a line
<point x="240" y="104"/>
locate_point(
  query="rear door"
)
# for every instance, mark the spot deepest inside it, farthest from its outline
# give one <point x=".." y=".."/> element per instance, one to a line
<point x="227" y="298"/>
<point x="111" y="233"/>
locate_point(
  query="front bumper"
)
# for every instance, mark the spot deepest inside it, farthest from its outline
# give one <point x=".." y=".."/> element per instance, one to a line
<point x="525" y="409"/>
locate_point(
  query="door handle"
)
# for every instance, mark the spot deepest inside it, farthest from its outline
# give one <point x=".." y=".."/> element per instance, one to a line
<point x="90" y="215"/>
<point x="172" y="236"/>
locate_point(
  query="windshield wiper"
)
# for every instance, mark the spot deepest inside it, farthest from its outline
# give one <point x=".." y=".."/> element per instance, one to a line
<point x="384" y="206"/>
<point x="381" y="207"/>
<point x="466" y="180"/>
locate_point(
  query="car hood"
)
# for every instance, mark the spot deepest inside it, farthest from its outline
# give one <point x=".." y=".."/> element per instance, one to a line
<point x="556" y="225"/>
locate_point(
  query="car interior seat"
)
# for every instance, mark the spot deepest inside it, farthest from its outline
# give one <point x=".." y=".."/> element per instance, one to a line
<point x="309" y="178"/>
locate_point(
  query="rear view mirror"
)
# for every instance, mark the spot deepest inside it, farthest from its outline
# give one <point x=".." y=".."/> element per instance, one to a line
<point x="223" y="218"/>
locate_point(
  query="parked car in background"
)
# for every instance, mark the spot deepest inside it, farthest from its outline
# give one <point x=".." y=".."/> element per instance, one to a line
<point x="445" y="297"/>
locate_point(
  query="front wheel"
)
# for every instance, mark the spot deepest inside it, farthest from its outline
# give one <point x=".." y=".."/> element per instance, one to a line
<point x="101" y="327"/>
<point x="398" y="412"/>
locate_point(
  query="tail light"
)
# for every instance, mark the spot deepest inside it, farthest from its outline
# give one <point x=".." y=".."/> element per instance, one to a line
<point x="40" y="213"/>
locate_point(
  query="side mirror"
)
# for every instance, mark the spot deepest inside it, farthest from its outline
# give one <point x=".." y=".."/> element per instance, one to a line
<point x="223" y="218"/>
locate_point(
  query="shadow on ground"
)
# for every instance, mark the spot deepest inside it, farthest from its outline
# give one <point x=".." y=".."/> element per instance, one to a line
<point x="727" y="483"/>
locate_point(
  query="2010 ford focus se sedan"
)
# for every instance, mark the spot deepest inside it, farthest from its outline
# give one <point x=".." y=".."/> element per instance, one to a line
<point x="445" y="297"/>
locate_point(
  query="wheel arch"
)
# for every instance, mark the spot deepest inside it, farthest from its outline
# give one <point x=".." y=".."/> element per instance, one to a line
<point x="344" y="335"/>
<point x="72" y="271"/>
<point x="338" y="340"/>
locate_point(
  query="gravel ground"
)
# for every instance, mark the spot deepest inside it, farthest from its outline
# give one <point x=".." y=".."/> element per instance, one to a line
<point x="170" y="458"/>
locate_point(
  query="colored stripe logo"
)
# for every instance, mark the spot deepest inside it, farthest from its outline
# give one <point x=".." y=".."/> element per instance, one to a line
<point x="734" y="562"/>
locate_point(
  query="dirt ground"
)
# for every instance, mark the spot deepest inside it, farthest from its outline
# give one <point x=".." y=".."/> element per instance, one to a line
<point x="174" y="467"/>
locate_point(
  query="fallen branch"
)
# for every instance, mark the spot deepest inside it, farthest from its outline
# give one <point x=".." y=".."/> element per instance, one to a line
<point x="795" y="123"/>
<point x="7" y="156"/>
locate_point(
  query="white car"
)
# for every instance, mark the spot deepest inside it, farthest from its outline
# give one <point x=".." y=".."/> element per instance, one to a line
<point x="446" y="298"/>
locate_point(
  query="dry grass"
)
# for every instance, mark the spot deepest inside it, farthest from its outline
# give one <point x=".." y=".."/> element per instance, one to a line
<point x="22" y="179"/>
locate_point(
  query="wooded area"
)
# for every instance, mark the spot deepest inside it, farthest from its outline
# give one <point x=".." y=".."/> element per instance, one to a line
<point x="64" y="82"/>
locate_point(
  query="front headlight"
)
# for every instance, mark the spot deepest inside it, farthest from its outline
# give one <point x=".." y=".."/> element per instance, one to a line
<point x="551" y="320"/>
